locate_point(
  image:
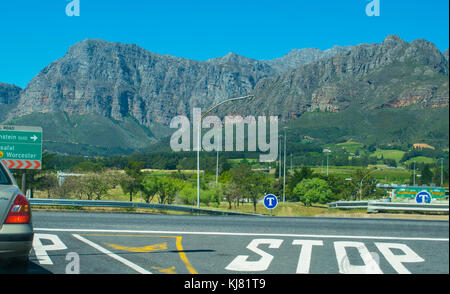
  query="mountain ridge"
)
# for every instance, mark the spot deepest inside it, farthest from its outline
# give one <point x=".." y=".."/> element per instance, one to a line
<point x="119" y="81"/>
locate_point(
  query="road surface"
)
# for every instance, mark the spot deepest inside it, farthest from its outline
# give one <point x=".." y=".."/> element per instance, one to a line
<point x="130" y="243"/>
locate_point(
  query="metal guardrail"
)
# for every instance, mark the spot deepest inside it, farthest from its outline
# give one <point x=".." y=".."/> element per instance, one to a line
<point x="348" y="204"/>
<point x="377" y="206"/>
<point x="124" y="204"/>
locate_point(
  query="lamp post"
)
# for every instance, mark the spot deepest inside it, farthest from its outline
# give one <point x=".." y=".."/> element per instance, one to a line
<point x="217" y="163"/>
<point x="284" y="168"/>
<point x="327" y="151"/>
<point x="199" y="135"/>
<point x="360" y="183"/>
<point x="279" y="157"/>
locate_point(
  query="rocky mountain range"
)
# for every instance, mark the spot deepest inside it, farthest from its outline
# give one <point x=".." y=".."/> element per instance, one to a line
<point x="119" y="82"/>
<point x="391" y="74"/>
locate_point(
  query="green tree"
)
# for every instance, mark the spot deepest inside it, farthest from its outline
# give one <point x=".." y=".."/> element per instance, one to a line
<point x="229" y="191"/>
<point x="293" y="180"/>
<point x="88" y="166"/>
<point x="342" y="189"/>
<point x="47" y="182"/>
<point x="96" y="185"/>
<point x="313" y="190"/>
<point x="151" y="186"/>
<point x="240" y="175"/>
<point x="426" y="175"/>
<point x="70" y="186"/>
<point x="168" y="189"/>
<point x="256" y="186"/>
<point x="437" y="175"/>
<point x="188" y="194"/>
<point x="132" y="183"/>
<point x="363" y="183"/>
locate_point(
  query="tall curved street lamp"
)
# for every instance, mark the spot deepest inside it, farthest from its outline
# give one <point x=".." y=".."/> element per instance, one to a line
<point x="327" y="151"/>
<point x="199" y="135"/>
<point x="360" y="183"/>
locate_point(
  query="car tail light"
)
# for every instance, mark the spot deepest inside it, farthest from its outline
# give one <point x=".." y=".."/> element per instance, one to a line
<point x="20" y="211"/>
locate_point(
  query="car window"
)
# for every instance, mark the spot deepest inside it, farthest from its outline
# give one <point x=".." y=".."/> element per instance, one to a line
<point x="4" y="178"/>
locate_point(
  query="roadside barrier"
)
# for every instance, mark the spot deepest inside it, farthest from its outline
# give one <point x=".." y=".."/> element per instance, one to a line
<point x="125" y="204"/>
<point x="374" y="206"/>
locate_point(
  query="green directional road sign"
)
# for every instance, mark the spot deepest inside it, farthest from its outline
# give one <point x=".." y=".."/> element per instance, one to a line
<point x="411" y="192"/>
<point x="21" y="147"/>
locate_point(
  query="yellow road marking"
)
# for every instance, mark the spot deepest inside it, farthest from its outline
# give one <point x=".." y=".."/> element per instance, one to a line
<point x="145" y="249"/>
<point x="179" y="246"/>
<point x="170" y="270"/>
<point x="183" y="256"/>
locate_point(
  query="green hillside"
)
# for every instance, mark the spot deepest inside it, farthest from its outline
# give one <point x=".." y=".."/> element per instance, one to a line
<point x="402" y="126"/>
<point x="88" y="134"/>
<point x="389" y="154"/>
<point x="351" y="130"/>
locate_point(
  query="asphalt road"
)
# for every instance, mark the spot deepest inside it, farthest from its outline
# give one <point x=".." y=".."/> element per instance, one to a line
<point x="127" y="243"/>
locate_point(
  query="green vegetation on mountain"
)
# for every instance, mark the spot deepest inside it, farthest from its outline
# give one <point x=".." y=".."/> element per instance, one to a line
<point x="89" y="134"/>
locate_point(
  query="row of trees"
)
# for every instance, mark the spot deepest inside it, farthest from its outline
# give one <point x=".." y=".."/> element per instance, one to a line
<point x="236" y="186"/>
<point x="91" y="186"/>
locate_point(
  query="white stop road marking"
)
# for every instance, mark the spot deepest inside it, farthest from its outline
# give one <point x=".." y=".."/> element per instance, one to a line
<point x="370" y="259"/>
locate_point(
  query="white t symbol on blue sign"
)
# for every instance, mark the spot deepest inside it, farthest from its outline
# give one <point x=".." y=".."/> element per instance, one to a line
<point x="423" y="197"/>
<point x="270" y="201"/>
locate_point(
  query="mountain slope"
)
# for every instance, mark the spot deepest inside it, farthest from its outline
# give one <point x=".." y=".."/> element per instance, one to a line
<point x="9" y="97"/>
<point x="392" y="74"/>
<point x="89" y="134"/>
<point x="116" y="80"/>
<point x="126" y="90"/>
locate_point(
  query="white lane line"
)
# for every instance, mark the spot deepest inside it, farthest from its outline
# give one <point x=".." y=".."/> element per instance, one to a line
<point x="110" y="254"/>
<point x="245" y="234"/>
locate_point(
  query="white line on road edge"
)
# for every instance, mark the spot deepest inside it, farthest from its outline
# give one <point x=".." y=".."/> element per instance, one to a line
<point x="245" y="234"/>
<point x="115" y="256"/>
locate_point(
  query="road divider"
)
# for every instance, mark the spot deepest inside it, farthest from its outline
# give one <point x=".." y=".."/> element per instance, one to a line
<point x="378" y="206"/>
<point x="125" y="204"/>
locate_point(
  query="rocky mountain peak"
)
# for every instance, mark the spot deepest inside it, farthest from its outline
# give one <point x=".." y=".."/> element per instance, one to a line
<point x="233" y="58"/>
<point x="298" y="57"/>
<point x="393" y="40"/>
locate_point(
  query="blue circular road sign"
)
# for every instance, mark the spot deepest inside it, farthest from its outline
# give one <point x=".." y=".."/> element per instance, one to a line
<point x="270" y="201"/>
<point x="423" y="197"/>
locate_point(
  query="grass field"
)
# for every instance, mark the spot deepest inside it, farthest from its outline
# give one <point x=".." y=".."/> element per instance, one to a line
<point x="351" y="146"/>
<point x="392" y="175"/>
<point x="420" y="159"/>
<point x="389" y="154"/>
<point x="384" y="175"/>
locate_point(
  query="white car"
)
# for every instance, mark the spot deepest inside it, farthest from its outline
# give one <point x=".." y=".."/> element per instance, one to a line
<point x="16" y="229"/>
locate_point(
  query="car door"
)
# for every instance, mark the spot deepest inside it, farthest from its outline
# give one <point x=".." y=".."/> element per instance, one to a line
<point x="8" y="191"/>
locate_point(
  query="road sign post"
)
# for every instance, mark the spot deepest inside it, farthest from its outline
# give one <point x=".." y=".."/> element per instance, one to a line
<point x="423" y="197"/>
<point x="21" y="147"/>
<point x="270" y="202"/>
<point x="411" y="192"/>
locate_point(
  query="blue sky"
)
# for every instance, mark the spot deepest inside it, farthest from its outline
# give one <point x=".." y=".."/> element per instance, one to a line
<point x="34" y="33"/>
